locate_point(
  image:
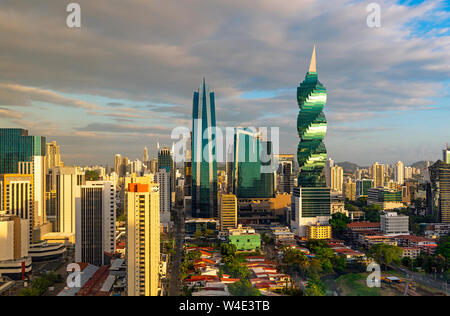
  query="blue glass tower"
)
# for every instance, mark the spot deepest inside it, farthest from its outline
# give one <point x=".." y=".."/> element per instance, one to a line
<point x="204" y="162"/>
<point x="17" y="146"/>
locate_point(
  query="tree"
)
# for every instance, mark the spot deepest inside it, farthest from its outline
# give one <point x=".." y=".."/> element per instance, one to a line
<point x="444" y="249"/>
<point x="92" y="175"/>
<point x="315" y="287"/>
<point x="243" y="288"/>
<point x="228" y="250"/>
<point x="385" y="254"/>
<point x="339" y="223"/>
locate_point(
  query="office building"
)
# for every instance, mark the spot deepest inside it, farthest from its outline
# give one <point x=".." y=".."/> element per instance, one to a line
<point x="143" y="239"/>
<point x="21" y="153"/>
<point x="63" y="188"/>
<point x="95" y="222"/>
<point x="363" y="186"/>
<point x="250" y="177"/>
<point x="440" y="191"/>
<point x="228" y="211"/>
<point x="53" y="156"/>
<point x="204" y="161"/>
<point x="378" y="175"/>
<point x="16" y="198"/>
<point x="163" y="179"/>
<point x="392" y="223"/>
<point x="311" y="198"/>
<point x="285" y="173"/>
<point x="386" y="198"/>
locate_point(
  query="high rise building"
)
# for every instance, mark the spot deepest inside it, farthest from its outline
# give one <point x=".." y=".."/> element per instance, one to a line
<point x="440" y="191"/>
<point x="327" y="171"/>
<point x="400" y="173"/>
<point x="21" y="153"/>
<point x="446" y="155"/>
<point x="143" y="239"/>
<point x="337" y="178"/>
<point x="163" y="179"/>
<point x="118" y="165"/>
<point x="250" y="180"/>
<point x="378" y="175"/>
<point x="349" y="190"/>
<point x="363" y="186"/>
<point x="16" y="198"/>
<point x="146" y="158"/>
<point x="311" y="199"/>
<point x="53" y="156"/>
<point x="166" y="162"/>
<point x="95" y="222"/>
<point x="228" y="211"/>
<point x="63" y="190"/>
<point x="14" y="238"/>
<point x="285" y="173"/>
<point x="204" y="161"/>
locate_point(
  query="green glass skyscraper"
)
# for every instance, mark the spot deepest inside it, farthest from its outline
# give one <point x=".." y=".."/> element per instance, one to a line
<point x="312" y="127"/>
<point x="248" y="179"/>
<point x="17" y="146"/>
<point x="311" y="198"/>
<point x="204" y="162"/>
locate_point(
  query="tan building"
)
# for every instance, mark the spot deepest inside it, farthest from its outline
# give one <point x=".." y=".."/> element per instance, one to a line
<point x="337" y="178"/>
<point x="378" y="175"/>
<point x="228" y="211"/>
<point x="318" y="232"/>
<point x="350" y="190"/>
<point x="143" y="239"/>
<point x="17" y="199"/>
<point x="14" y="238"/>
<point x="53" y="156"/>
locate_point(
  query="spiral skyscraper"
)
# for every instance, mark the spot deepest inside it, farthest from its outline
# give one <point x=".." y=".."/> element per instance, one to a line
<point x="312" y="127"/>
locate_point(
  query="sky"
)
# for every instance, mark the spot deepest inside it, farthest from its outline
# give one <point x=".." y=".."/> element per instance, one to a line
<point x="126" y="78"/>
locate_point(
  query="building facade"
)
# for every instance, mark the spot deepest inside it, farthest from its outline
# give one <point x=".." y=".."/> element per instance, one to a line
<point x="204" y="162"/>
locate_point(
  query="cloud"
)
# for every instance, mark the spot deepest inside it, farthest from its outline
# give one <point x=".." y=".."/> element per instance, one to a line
<point x="156" y="52"/>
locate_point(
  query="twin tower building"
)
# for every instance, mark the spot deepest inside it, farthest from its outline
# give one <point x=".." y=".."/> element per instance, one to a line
<point x="310" y="198"/>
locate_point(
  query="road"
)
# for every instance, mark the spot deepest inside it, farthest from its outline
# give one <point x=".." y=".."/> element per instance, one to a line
<point x="423" y="279"/>
<point x="174" y="281"/>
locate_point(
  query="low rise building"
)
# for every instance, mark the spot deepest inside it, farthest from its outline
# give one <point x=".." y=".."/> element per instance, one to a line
<point x="244" y="238"/>
<point x="318" y="231"/>
<point x="394" y="224"/>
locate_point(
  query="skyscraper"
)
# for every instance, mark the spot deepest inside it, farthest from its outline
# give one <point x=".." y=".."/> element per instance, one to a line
<point x="53" y="155"/>
<point x="378" y="175"/>
<point x="446" y="154"/>
<point x="311" y="199"/>
<point x="166" y="162"/>
<point x="163" y="179"/>
<point x="143" y="239"/>
<point x="400" y="173"/>
<point x="285" y="173"/>
<point x="249" y="180"/>
<point x="228" y="211"/>
<point x="337" y="178"/>
<point x="146" y="158"/>
<point x="95" y="222"/>
<point x="204" y="162"/>
<point x="25" y="154"/>
<point x="440" y="191"/>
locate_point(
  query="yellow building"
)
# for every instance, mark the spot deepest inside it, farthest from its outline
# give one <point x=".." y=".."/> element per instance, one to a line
<point x="318" y="232"/>
<point x="17" y="198"/>
<point x="228" y="211"/>
<point x="143" y="239"/>
<point x="350" y="190"/>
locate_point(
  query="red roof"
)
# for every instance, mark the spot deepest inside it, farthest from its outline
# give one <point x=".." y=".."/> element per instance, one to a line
<point x="363" y="225"/>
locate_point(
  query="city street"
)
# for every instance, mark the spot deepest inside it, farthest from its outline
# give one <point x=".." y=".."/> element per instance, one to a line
<point x="174" y="278"/>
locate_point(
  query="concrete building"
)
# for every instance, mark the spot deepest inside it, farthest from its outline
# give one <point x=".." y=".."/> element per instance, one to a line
<point x="228" y="211"/>
<point x="394" y="224"/>
<point x="163" y="179"/>
<point x="318" y="231"/>
<point x="400" y="173"/>
<point x="95" y="222"/>
<point x="53" y="156"/>
<point x="337" y="178"/>
<point x="244" y="238"/>
<point x="378" y="175"/>
<point x="143" y="239"/>
<point x="16" y="198"/>
<point x="387" y="199"/>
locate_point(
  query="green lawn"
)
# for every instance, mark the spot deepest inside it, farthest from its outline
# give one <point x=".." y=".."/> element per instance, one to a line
<point x="354" y="284"/>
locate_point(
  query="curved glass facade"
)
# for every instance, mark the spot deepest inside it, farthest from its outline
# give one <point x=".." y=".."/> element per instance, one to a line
<point x="312" y="127"/>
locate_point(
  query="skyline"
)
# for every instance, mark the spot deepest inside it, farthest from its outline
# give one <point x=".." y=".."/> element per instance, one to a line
<point x="120" y="83"/>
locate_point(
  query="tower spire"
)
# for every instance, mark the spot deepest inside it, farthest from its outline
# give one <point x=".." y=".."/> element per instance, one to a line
<point x="312" y="66"/>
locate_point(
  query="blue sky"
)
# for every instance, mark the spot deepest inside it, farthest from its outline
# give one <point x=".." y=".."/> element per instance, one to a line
<point x="126" y="78"/>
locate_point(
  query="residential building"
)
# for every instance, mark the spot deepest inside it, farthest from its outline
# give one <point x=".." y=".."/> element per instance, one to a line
<point x="163" y="179"/>
<point x="378" y="175"/>
<point x="143" y="239"/>
<point x="318" y="231"/>
<point x="400" y="173"/>
<point x="53" y="156"/>
<point x="228" y="211"/>
<point x="95" y="222"/>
